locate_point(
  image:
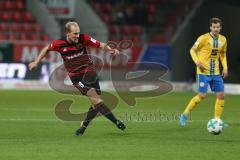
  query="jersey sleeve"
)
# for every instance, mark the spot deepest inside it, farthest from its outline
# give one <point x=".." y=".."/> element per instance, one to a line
<point x="225" y="47"/>
<point x="89" y="41"/>
<point x="199" y="43"/>
<point x="194" y="50"/>
<point x="223" y="55"/>
<point x="53" y="46"/>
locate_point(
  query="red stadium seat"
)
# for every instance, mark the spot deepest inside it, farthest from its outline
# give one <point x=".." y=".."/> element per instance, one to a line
<point x="3" y="36"/>
<point x="113" y="29"/>
<point x="125" y="37"/>
<point x="26" y="27"/>
<point x="6" y="16"/>
<point x="15" y="27"/>
<point x="22" y="36"/>
<point x="45" y="37"/>
<point x="17" y="16"/>
<point x="35" y="28"/>
<point x="32" y="37"/>
<point x="151" y="9"/>
<point x="125" y="29"/>
<point x="19" y="5"/>
<point x="12" y="36"/>
<point x="113" y="39"/>
<point x="106" y="7"/>
<point x="4" y="27"/>
<point x="106" y="18"/>
<point x="7" y="5"/>
<point x="137" y="30"/>
<point x="27" y="16"/>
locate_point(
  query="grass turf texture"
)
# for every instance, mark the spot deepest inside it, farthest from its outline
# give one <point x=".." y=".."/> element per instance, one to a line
<point x="30" y="130"/>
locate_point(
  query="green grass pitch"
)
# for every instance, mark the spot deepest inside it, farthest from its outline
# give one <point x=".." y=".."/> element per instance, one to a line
<point x="31" y="130"/>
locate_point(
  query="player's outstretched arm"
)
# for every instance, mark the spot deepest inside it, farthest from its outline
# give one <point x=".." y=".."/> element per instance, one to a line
<point x="108" y="49"/>
<point x="42" y="54"/>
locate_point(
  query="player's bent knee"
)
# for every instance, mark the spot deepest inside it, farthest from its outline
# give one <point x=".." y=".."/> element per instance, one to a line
<point x="220" y="96"/>
<point x="202" y="96"/>
<point x="92" y="93"/>
<point x="95" y="101"/>
<point x="93" y="96"/>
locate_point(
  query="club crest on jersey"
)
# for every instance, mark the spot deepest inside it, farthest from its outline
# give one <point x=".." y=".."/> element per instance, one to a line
<point x="221" y="43"/>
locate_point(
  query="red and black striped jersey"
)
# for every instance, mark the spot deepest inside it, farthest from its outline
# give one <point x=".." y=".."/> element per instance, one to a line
<point x="76" y="59"/>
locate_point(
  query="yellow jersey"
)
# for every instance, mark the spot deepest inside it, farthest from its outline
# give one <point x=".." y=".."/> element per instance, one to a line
<point x="209" y="51"/>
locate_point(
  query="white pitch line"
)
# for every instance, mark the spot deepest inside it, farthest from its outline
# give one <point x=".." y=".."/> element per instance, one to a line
<point x="98" y="120"/>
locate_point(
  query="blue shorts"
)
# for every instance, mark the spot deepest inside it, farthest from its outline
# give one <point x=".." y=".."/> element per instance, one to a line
<point x="214" y="81"/>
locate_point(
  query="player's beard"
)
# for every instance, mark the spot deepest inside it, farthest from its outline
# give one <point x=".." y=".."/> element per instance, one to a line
<point x="215" y="33"/>
<point x="73" y="41"/>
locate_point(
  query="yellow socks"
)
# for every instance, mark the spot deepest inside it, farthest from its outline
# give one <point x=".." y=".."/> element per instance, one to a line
<point x="194" y="101"/>
<point x="219" y="108"/>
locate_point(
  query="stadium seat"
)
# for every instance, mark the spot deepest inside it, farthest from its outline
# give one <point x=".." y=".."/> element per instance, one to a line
<point x="15" y="27"/>
<point x="151" y="9"/>
<point x="45" y="37"/>
<point x="6" y="16"/>
<point x="18" y="5"/>
<point x="27" y="16"/>
<point x="106" y="7"/>
<point x="113" y="39"/>
<point x="4" y="27"/>
<point x="35" y="27"/>
<point x="12" y="36"/>
<point x="125" y="37"/>
<point x="137" y="30"/>
<point x="22" y="36"/>
<point x="2" y="36"/>
<point x="106" y="18"/>
<point x="26" y="27"/>
<point x="32" y="37"/>
<point x="17" y="16"/>
<point x="113" y="29"/>
<point x="125" y="29"/>
<point x="7" y="5"/>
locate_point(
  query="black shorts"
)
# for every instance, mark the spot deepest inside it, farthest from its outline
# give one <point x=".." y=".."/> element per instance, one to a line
<point x="87" y="81"/>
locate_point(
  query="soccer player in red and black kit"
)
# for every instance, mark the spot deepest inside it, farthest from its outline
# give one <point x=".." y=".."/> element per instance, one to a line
<point x="81" y="70"/>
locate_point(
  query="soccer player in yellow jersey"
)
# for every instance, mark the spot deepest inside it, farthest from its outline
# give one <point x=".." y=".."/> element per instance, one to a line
<point x="207" y="52"/>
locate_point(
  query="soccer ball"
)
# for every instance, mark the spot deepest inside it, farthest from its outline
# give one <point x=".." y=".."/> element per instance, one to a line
<point x="215" y="126"/>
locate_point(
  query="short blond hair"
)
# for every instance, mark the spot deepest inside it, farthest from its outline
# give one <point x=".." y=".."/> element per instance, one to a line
<point x="68" y="25"/>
